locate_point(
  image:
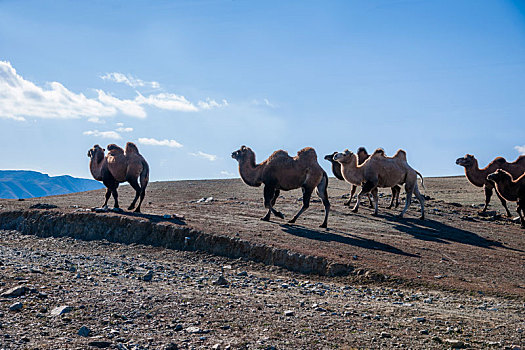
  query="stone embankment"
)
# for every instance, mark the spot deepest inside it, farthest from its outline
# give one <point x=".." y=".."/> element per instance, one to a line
<point x="159" y="232"/>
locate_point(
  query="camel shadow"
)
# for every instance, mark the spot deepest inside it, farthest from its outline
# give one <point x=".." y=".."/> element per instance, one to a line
<point x="153" y="218"/>
<point x="326" y="236"/>
<point x="435" y="231"/>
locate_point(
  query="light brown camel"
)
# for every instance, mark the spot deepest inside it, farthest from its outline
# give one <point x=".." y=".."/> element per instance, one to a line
<point x="478" y="177"/>
<point x="130" y="166"/>
<point x="381" y="171"/>
<point x="511" y="190"/>
<point x="282" y="172"/>
<point x="362" y="155"/>
<point x="98" y="166"/>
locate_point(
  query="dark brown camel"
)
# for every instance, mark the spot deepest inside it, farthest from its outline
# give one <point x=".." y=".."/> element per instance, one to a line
<point x="478" y="177"/>
<point x="282" y="172"/>
<point x="511" y="190"/>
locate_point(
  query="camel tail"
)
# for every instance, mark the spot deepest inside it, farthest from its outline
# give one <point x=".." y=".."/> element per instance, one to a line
<point x="422" y="181"/>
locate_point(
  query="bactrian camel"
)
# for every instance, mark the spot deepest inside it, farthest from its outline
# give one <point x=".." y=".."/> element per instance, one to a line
<point x="282" y="172"/>
<point x="98" y="165"/>
<point x="511" y="190"/>
<point x="478" y="177"/>
<point x="381" y="171"/>
<point x="129" y="166"/>
<point x="119" y="166"/>
<point x="362" y="155"/>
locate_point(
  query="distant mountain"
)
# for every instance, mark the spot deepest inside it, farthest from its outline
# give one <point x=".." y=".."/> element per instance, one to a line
<point x="26" y="184"/>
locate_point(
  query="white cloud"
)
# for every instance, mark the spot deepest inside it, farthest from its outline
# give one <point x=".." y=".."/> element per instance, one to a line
<point x="20" y="98"/>
<point x="128" y="107"/>
<point x="167" y="101"/>
<point x="123" y="129"/>
<point x="154" y="142"/>
<point x="520" y="149"/>
<point x="104" y="134"/>
<point x="209" y="104"/>
<point x="227" y="173"/>
<point x="264" y="102"/>
<point x="210" y="157"/>
<point x="129" y="80"/>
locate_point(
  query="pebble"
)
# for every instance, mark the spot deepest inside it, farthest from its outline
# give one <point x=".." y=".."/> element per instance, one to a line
<point x="193" y="330"/>
<point x="84" y="331"/>
<point x="15" y="292"/>
<point x="148" y="276"/>
<point x="221" y="281"/>
<point x="171" y="346"/>
<point x="288" y="313"/>
<point x="16" y="306"/>
<point x="385" y="335"/>
<point x="60" y="310"/>
<point x="455" y="344"/>
<point x="100" y="344"/>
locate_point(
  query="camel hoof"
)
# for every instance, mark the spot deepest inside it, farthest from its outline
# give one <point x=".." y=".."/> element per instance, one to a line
<point x="137" y="210"/>
<point x="279" y="215"/>
<point x="131" y="207"/>
<point x="375" y="214"/>
<point x="291" y="221"/>
<point x="323" y="226"/>
<point x="354" y="210"/>
<point x="264" y="218"/>
<point x="400" y="216"/>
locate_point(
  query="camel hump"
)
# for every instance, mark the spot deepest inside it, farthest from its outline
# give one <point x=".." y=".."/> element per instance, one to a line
<point x="279" y="153"/>
<point x="500" y="160"/>
<point x="131" y="148"/>
<point x="307" y="153"/>
<point x="362" y="150"/>
<point x="379" y="153"/>
<point x="114" y="149"/>
<point x="401" y="154"/>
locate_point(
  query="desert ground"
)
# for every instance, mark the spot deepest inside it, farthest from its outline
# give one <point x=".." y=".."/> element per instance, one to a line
<point x="455" y="280"/>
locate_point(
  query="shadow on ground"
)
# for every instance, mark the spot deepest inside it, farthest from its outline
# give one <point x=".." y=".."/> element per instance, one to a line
<point x="342" y="237"/>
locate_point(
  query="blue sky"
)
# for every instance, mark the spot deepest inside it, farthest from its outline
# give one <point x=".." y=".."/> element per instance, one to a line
<point x="191" y="81"/>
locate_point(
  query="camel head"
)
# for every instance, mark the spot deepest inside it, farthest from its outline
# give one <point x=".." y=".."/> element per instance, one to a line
<point x="241" y="153"/>
<point x="345" y="157"/>
<point x="499" y="175"/>
<point x="330" y="157"/>
<point x="467" y="161"/>
<point x="96" y="153"/>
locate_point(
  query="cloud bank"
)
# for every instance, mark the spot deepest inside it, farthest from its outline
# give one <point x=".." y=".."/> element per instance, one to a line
<point x="20" y="99"/>
<point x="154" y="142"/>
<point x="520" y="149"/>
<point x="104" y="134"/>
<point x="200" y="154"/>
<point x="129" y="80"/>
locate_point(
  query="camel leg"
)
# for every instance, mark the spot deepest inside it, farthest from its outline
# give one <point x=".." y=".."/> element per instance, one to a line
<point x="144" y="179"/>
<point x="488" y="194"/>
<point x="307" y="194"/>
<point x="504" y="203"/>
<point x="376" y="201"/>
<point x="322" y="192"/>
<point x="269" y="196"/>
<point x="521" y="213"/>
<point x="398" y="191"/>
<point x="115" y="197"/>
<point x="421" y="200"/>
<point x="352" y="192"/>
<point x="135" y="184"/>
<point x="275" y="196"/>
<point x="371" y="203"/>
<point x="358" y="201"/>
<point x="108" y="194"/>
<point x="409" y="190"/>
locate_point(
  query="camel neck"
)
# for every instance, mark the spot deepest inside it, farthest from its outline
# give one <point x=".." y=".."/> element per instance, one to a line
<point x="508" y="189"/>
<point x="352" y="172"/>
<point x="477" y="176"/>
<point x="250" y="172"/>
<point x="95" y="166"/>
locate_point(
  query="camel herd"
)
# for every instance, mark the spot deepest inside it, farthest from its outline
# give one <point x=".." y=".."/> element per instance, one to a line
<point x="283" y="172"/>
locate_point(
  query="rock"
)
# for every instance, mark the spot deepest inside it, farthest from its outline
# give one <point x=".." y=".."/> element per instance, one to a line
<point x="289" y="313"/>
<point x="454" y="344"/>
<point x="15" y="292"/>
<point x="148" y="276"/>
<point x="178" y="328"/>
<point x="420" y="319"/>
<point x="60" y="310"/>
<point x="84" y="331"/>
<point x="205" y="200"/>
<point x="242" y="274"/>
<point x="423" y="331"/>
<point x="116" y="210"/>
<point x="385" y="335"/>
<point x="100" y="344"/>
<point x="193" y="330"/>
<point x="221" y="281"/>
<point x="171" y="346"/>
<point x="16" y="306"/>
<point x="437" y="339"/>
<point x="216" y="346"/>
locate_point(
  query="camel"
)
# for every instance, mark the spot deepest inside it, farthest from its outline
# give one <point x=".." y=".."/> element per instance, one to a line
<point x="129" y="166"/>
<point x="282" y="172"/>
<point x="362" y="155"/>
<point x="98" y="166"/>
<point x="381" y="171"/>
<point x="478" y="177"/>
<point x="511" y="190"/>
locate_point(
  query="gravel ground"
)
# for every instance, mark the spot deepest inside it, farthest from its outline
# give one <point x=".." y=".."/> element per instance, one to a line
<point x="138" y="297"/>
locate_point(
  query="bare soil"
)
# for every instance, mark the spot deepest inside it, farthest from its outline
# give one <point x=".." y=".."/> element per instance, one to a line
<point x="456" y="276"/>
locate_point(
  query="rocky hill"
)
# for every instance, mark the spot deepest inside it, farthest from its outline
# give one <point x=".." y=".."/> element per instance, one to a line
<point x="27" y="184"/>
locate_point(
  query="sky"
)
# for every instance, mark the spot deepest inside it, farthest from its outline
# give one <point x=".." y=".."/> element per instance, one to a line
<point x="191" y="81"/>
